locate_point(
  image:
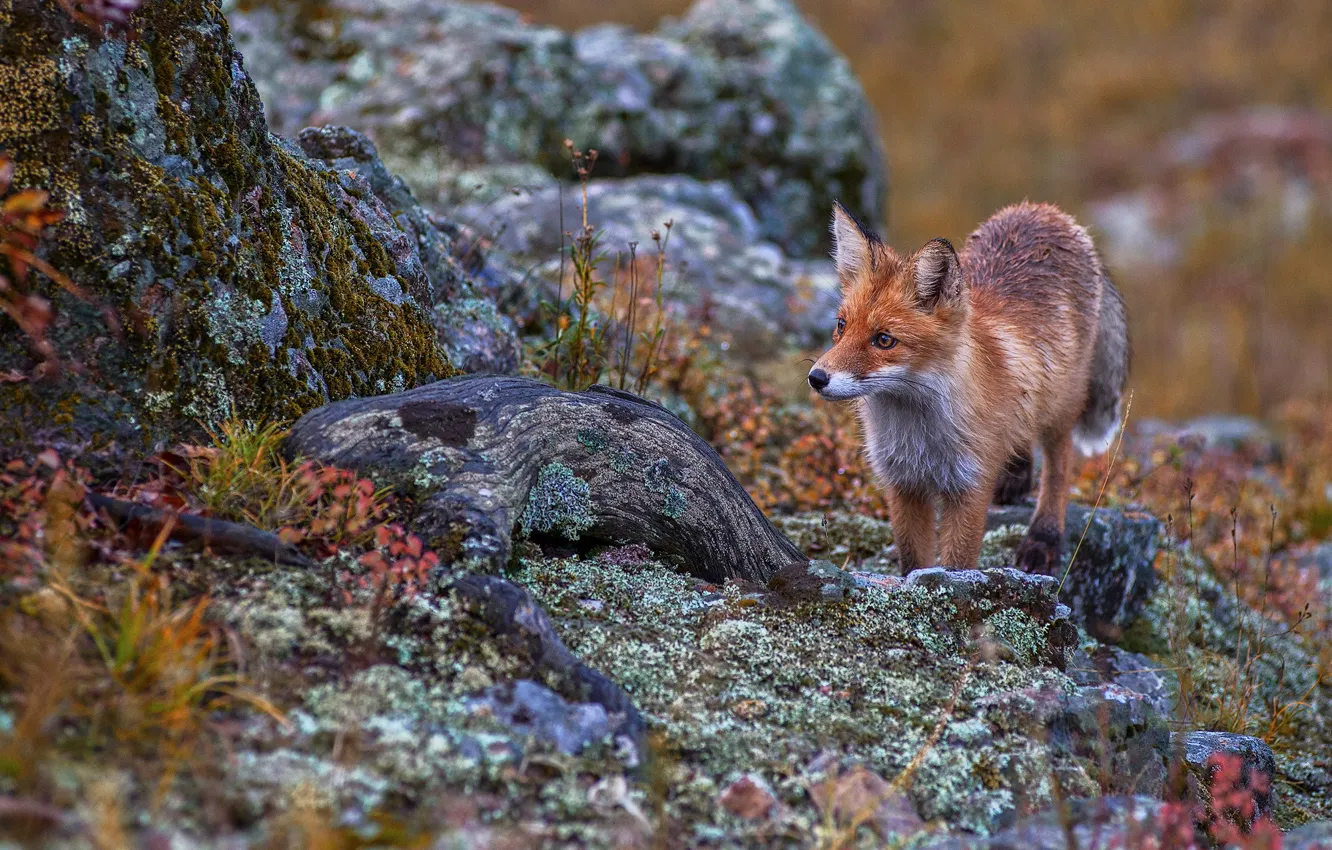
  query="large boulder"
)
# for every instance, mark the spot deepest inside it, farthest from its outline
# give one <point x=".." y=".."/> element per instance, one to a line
<point x="748" y="93"/>
<point x="251" y="277"/>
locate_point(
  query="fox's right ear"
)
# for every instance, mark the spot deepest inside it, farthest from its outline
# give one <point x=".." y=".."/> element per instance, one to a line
<point x="853" y="246"/>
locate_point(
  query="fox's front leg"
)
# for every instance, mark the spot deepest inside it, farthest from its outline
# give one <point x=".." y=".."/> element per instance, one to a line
<point x="1042" y="550"/>
<point x="963" y="526"/>
<point x="913" y="520"/>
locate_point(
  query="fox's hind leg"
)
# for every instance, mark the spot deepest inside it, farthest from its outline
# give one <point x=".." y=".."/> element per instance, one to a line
<point x="1042" y="550"/>
<point x="1015" y="482"/>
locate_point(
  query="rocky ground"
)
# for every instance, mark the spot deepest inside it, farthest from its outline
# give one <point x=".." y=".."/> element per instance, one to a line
<point x="321" y="661"/>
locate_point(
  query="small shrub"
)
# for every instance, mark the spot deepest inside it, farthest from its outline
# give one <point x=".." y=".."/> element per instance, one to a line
<point x="616" y="330"/>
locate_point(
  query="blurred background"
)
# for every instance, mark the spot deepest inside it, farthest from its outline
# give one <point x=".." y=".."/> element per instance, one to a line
<point x="1195" y="138"/>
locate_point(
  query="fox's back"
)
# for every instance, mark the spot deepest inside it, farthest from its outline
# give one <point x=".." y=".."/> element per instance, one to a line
<point x="1034" y="264"/>
<point x="1036" y="286"/>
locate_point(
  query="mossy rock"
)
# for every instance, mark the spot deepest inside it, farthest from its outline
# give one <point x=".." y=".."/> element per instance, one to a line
<point x="249" y="278"/>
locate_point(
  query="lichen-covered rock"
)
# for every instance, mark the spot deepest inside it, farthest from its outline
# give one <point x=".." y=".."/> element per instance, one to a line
<point x="1224" y="766"/>
<point x="1115" y="728"/>
<point x="1113" y="568"/>
<point x="1132" y="671"/>
<point x="740" y="686"/>
<point x="976" y="594"/>
<point x="531" y="708"/>
<point x="250" y="278"/>
<point x="1114" y="736"/>
<point x="751" y="94"/>
<point x="720" y="269"/>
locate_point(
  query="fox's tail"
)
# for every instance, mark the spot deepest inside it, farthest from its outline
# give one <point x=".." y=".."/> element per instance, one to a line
<point x="1096" y="428"/>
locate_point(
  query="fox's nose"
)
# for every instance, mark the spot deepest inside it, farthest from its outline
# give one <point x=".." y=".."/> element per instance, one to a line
<point x="818" y="379"/>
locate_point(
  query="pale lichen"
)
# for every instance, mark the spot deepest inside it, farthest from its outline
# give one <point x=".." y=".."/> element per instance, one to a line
<point x="558" y="502"/>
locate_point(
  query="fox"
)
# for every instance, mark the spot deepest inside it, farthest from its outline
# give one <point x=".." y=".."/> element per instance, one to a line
<point x="961" y="363"/>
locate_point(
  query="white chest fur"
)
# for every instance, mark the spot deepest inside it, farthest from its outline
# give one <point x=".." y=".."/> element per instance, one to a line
<point x="914" y="441"/>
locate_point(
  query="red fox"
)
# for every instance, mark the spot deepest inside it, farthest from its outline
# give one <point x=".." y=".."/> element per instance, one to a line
<point x="962" y="363"/>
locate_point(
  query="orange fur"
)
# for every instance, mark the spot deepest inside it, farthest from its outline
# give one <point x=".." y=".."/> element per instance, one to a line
<point x="991" y="352"/>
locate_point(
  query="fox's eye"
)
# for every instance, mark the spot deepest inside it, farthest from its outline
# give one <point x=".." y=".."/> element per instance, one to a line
<point x="884" y="340"/>
<point x="841" y="326"/>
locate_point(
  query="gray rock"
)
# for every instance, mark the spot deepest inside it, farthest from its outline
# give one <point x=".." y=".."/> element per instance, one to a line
<point x="1128" y="670"/>
<point x="719" y="268"/>
<point x="533" y="709"/>
<point x="1205" y="754"/>
<point x="1113" y="574"/>
<point x="1119" y="735"/>
<point x="1311" y="836"/>
<point x="1114" y="736"/>
<point x="748" y="93"/>
<point x="1104" y="823"/>
<point x="1213" y="432"/>
<point x="977" y="593"/>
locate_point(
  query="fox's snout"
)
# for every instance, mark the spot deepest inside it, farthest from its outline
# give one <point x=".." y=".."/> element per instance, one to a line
<point x="818" y="379"/>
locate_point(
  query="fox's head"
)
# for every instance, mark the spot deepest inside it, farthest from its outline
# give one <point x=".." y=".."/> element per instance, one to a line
<point x="900" y="317"/>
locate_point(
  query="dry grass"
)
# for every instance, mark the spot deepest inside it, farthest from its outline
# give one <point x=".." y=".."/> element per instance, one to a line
<point x="98" y="656"/>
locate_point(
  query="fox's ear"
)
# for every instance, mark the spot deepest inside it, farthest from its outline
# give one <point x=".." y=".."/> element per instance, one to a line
<point x="938" y="275"/>
<point x="853" y="246"/>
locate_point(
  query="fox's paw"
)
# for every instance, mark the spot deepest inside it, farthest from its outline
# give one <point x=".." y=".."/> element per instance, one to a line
<point x="1041" y="551"/>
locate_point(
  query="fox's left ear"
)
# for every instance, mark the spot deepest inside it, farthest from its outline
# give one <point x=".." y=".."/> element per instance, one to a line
<point x="938" y="275"/>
